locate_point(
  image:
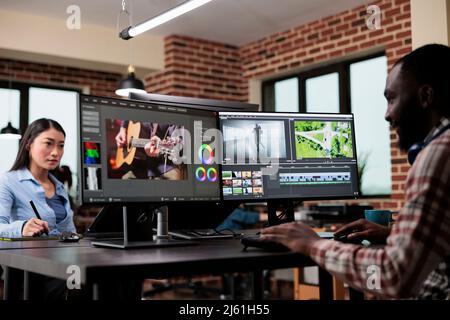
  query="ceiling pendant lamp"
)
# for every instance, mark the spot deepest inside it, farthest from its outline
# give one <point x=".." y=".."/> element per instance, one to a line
<point x="9" y="132"/>
<point x="130" y="84"/>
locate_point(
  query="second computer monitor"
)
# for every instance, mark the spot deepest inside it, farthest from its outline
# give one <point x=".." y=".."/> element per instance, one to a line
<point x="288" y="155"/>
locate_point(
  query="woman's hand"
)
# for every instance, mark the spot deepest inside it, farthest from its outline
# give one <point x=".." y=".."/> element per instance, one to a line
<point x="35" y="227"/>
<point x="297" y="236"/>
<point x="362" y="229"/>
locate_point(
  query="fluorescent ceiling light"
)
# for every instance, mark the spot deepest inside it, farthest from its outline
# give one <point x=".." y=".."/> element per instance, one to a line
<point x="183" y="8"/>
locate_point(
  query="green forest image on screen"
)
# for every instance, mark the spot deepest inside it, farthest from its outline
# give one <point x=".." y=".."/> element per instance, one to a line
<point x="323" y="139"/>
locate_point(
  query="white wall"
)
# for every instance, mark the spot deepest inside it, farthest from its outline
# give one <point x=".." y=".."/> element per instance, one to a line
<point x="430" y="22"/>
<point x="48" y="40"/>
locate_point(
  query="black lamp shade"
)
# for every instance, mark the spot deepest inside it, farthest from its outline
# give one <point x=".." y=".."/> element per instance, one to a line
<point x="10" y="132"/>
<point x="130" y="84"/>
<point x="9" y="129"/>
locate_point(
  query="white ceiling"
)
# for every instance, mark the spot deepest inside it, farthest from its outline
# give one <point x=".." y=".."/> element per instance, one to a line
<point x="234" y="22"/>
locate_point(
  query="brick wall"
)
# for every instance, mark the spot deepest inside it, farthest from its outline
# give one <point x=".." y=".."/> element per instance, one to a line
<point x="330" y="38"/>
<point x="201" y="69"/>
<point x="99" y="83"/>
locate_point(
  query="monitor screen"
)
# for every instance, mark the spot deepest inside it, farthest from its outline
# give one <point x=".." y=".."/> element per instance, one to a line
<point x="288" y="155"/>
<point x="133" y="151"/>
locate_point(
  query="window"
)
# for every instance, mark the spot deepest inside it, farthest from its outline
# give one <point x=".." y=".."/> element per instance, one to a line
<point x="286" y="95"/>
<point x="352" y="86"/>
<point x="10" y="103"/>
<point x="367" y="81"/>
<point x="322" y="93"/>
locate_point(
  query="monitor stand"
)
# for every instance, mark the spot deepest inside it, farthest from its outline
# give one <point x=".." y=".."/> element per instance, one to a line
<point x="286" y="215"/>
<point x="130" y="241"/>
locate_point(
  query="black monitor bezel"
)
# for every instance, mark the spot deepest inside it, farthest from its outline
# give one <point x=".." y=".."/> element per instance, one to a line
<point x="253" y="200"/>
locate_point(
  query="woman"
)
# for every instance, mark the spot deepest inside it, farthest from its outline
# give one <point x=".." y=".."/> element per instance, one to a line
<point x="29" y="179"/>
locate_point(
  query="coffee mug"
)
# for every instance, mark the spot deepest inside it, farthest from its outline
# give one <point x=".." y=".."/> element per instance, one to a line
<point x="382" y="217"/>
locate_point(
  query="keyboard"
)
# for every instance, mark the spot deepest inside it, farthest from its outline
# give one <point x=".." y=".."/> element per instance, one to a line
<point x="200" y="234"/>
<point x="256" y="242"/>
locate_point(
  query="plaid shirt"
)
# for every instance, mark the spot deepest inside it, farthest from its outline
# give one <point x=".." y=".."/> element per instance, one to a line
<point x="415" y="263"/>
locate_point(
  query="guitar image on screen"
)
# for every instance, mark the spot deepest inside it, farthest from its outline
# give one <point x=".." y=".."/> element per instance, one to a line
<point x="168" y="147"/>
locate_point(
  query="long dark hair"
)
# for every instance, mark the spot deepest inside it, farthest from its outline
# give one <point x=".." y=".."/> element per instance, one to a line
<point x="34" y="129"/>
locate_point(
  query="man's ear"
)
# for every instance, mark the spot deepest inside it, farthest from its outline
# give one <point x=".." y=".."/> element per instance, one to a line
<point x="426" y="96"/>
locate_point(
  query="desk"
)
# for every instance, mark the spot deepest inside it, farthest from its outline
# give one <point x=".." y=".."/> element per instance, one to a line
<point x="34" y="244"/>
<point x="99" y="265"/>
<point x="12" y="275"/>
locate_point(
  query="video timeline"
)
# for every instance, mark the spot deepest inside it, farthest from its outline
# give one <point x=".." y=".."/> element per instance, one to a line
<point x="314" y="178"/>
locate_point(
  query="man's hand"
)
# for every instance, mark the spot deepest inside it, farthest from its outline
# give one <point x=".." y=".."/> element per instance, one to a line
<point x="362" y="229"/>
<point x="121" y="138"/>
<point x="35" y="227"/>
<point x="151" y="148"/>
<point x="296" y="236"/>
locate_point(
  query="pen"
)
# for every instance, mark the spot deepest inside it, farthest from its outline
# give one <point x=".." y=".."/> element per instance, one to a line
<point x="36" y="213"/>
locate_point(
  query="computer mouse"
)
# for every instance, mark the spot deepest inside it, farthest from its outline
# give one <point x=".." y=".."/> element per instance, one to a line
<point x="344" y="239"/>
<point x="69" y="237"/>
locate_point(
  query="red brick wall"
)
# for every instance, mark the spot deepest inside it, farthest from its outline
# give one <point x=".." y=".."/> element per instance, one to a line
<point x="99" y="83"/>
<point x="330" y="38"/>
<point x="334" y="37"/>
<point x="200" y="68"/>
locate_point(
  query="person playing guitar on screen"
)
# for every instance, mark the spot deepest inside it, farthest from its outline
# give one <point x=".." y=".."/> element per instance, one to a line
<point x="158" y="142"/>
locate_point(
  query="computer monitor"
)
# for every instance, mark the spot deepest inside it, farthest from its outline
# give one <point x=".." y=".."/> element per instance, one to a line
<point x="270" y="156"/>
<point x="157" y="160"/>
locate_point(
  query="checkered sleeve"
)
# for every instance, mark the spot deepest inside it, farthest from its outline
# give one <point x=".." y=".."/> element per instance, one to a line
<point x="418" y="242"/>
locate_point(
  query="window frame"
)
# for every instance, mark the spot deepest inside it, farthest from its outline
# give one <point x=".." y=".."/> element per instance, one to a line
<point x="343" y="70"/>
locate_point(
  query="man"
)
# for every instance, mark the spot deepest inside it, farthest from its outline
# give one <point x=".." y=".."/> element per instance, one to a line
<point x="156" y="160"/>
<point x="415" y="262"/>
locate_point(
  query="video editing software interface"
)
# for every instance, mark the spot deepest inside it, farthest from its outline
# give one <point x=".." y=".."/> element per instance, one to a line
<point x="284" y="155"/>
<point x="133" y="151"/>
